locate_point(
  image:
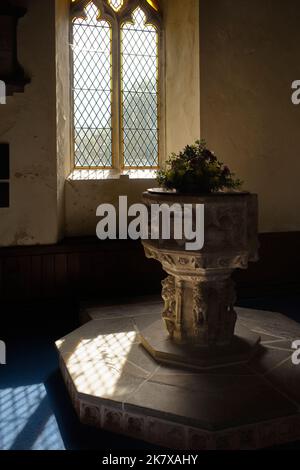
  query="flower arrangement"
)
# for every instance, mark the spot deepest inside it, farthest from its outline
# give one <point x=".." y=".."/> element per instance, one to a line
<point x="196" y="170"/>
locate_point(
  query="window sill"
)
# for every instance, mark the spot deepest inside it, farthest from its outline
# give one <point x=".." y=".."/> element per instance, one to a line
<point x="108" y="175"/>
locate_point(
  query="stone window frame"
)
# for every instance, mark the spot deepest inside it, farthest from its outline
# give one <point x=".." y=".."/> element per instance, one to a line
<point x="116" y="19"/>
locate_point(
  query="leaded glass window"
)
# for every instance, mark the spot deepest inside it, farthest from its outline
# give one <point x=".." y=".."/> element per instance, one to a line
<point x="139" y="63"/>
<point x="92" y="90"/>
<point x="116" y="4"/>
<point x="116" y="83"/>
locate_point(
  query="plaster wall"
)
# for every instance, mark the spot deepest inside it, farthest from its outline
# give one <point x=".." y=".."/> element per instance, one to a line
<point x="83" y="197"/>
<point x="182" y="73"/>
<point x="27" y="123"/>
<point x="249" y="59"/>
<point x="63" y="106"/>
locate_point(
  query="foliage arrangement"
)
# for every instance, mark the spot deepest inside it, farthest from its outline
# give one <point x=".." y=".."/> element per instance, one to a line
<point x="196" y="170"/>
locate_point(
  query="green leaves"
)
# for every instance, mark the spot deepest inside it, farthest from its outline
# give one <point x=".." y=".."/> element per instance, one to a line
<point x="196" y="169"/>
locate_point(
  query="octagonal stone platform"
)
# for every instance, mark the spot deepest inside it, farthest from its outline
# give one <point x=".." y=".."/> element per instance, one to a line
<point x="155" y="340"/>
<point x="116" y="385"/>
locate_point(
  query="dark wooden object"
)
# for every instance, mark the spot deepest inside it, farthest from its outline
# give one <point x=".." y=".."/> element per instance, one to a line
<point x="11" y="72"/>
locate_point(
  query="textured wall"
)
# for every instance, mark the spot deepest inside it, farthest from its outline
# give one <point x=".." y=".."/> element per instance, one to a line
<point x="83" y="198"/>
<point x="249" y="58"/>
<point x="63" y="106"/>
<point x="27" y="122"/>
<point x="181" y="20"/>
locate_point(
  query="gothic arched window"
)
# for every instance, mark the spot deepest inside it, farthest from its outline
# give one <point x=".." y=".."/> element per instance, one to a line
<point x="115" y="48"/>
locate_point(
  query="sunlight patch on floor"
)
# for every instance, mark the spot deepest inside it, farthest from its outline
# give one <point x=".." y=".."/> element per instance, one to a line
<point x="27" y="420"/>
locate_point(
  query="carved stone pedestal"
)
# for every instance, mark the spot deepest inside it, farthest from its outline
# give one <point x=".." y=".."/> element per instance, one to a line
<point x="198" y="294"/>
<point x="199" y="308"/>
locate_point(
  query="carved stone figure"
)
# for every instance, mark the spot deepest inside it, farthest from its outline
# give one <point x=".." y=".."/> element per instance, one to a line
<point x="169" y="297"/>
